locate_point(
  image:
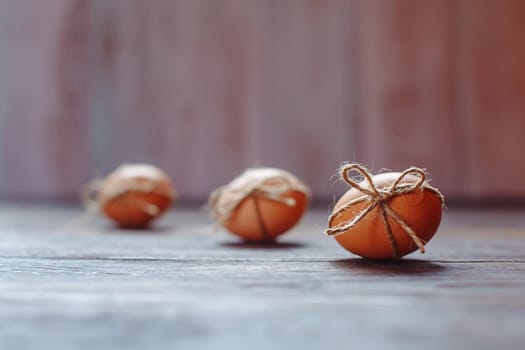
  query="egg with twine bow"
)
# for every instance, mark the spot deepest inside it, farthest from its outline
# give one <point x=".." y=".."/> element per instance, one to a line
<point x="385" y="216"/>
<point x="260" y="204"/>
<point x="133" y="195"/>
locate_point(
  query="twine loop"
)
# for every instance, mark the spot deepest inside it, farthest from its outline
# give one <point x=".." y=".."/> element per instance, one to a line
<point x="379" y="198"/>
<point x="89" y="194"/>
<point x="256" y="189"/>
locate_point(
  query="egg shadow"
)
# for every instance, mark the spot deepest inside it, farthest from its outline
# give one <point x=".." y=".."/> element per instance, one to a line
<point x="271" y="245"/>
<point x="146" y="230"/>
<point x="390" y="267"/>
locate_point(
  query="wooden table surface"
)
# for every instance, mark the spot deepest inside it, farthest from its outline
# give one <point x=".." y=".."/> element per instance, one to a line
<point x="90" y="286"/>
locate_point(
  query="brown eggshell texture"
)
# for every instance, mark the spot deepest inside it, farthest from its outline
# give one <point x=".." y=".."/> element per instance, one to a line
<point x="276" y="217"/>
<point x="123" y="198"/>
<point x="420" y="209"/>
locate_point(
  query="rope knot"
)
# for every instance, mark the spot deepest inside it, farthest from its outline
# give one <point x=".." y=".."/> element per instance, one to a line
<point x="384" y="196"/>
<point x="379" y="198"/>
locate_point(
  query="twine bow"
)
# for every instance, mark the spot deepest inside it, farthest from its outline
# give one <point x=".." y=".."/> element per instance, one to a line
<point x="256" y="189"/>
<point x="379" y="198"/>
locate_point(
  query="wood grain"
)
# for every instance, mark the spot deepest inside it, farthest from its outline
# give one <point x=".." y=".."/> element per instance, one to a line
<point x="207" y="88"/>
<point x="406" y="104"/>
<point x="177" y="98"/>
<point x="494" y="82"/>
<point x="43" y="143"/>
<point x="183" y="284"/>
<point x="303" y="116"/>
<point x="202" y="89"/>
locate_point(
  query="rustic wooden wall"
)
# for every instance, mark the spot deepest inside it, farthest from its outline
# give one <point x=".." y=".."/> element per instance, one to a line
<point x="206" y="88"/>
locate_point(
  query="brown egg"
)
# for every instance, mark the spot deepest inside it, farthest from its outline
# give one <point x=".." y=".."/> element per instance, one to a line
<point x="260" y="204"/>
<point x="419" y="209"/>
<point x="135" y="194"/>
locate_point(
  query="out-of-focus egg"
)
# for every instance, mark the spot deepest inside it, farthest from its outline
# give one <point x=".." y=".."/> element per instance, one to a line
<point x="420" y="209"/>
<point x="260" y="204"/>
<point x="135" y="194"/>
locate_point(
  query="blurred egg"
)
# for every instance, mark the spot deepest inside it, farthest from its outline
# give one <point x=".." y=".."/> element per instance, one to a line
<point x="260" y="204"/>
<point x="420" y="210"/>
<point x="135" y="194"/>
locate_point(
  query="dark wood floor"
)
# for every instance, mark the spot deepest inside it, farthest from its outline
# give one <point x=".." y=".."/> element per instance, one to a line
<point x="88" y="285"/>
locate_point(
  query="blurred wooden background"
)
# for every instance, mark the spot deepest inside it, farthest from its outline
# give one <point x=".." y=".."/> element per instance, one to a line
<point x="205" y="88"/>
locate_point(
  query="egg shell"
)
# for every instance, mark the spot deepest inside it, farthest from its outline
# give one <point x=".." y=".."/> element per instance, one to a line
<point x="420" y="209"/>
<point x="276" y="217"/>
<point x="125" y="193"/>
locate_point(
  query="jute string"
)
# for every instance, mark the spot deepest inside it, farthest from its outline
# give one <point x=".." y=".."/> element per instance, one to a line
<point x="92" y="205"/>
<point x="270" y="189"/>
<point x="120" y="189"/>
<point x="380" y="198"/>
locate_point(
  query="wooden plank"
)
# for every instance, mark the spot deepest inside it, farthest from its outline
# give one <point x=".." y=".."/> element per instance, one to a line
<point x="43" y="144"/>
<point x="406" y="95"/>
<point x="303" y="118"/>
<point x="494" y="84"/>
<point x="178" y="70"/>
<point x="206" y="88"/>
<point x="163" y="82"/>
<point x="186" y="285"/>
<point x="224" y="89"/>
